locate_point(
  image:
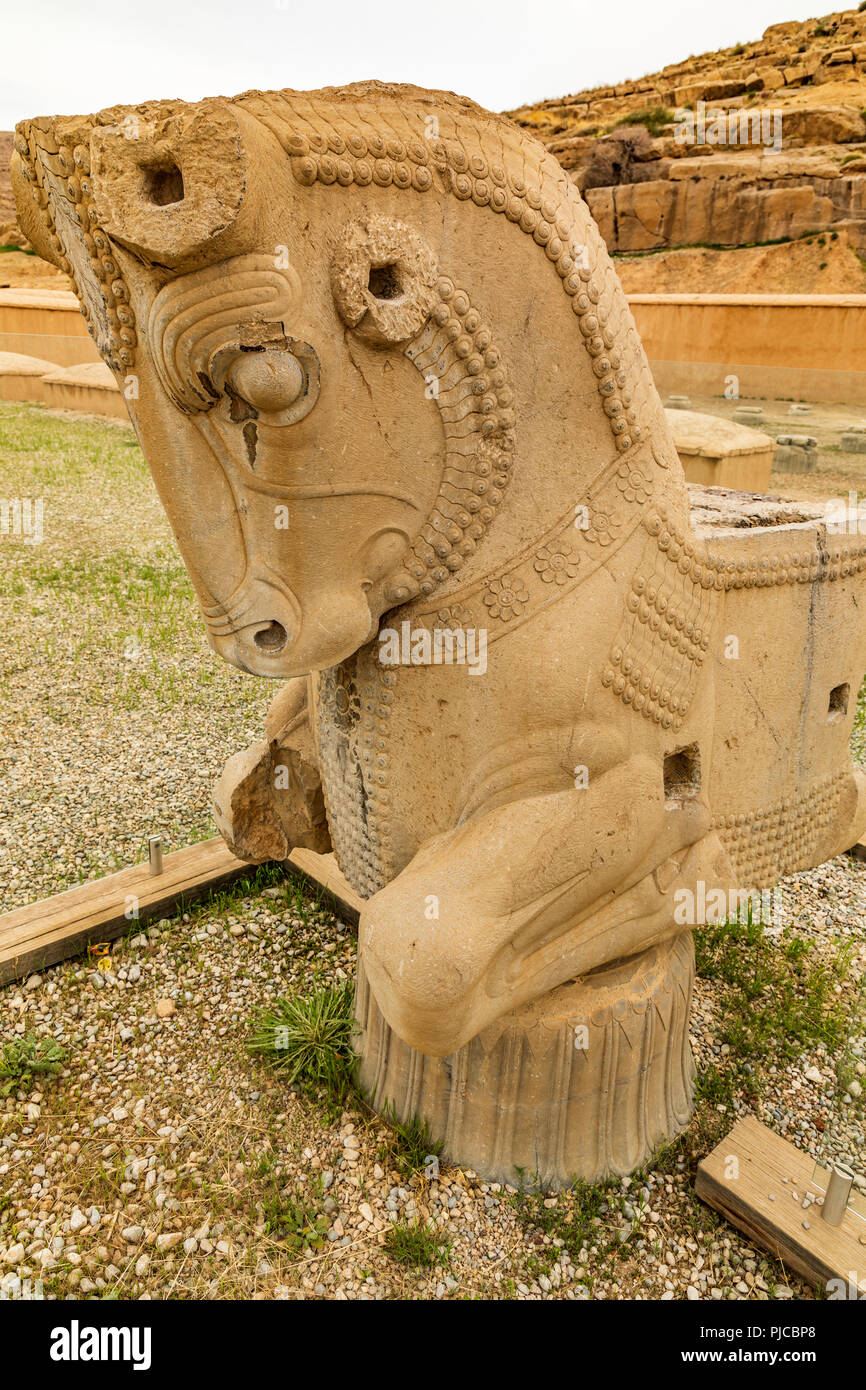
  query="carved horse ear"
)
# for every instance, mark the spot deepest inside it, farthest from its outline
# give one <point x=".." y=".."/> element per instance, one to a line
<point x="166" y="189"/>
<point x="383" y="278"/>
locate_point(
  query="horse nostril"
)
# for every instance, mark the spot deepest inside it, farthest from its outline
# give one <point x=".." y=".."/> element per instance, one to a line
<point x="271" y="639"/>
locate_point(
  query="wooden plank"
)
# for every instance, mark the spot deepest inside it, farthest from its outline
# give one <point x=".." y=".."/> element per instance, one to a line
<point x="322" y="870"/>
<point x="760" y="1200"/>
<point x="98" y="898"/>
<point x="43" y="933"/>
<point x="57" y="928"/>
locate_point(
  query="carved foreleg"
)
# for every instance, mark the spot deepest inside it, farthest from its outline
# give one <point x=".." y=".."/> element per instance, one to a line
<point x="527" y="896"/>
<point x="269" y="799"/>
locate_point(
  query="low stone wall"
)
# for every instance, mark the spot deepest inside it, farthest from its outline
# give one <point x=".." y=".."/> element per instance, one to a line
<point x="790" y="346"/>
<point x="87" y="387"/>
<point x="46" y="324"/>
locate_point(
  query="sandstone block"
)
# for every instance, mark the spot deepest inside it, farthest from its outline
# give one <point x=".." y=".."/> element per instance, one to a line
<point x="795" y="453"/>
<point x="721" y="453"/>
<point x="854" y="439"/>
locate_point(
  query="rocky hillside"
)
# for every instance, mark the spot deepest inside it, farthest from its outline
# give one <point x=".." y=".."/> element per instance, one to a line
<point x="742" y="171"/>
<point x="758" y="144"/>
<point x="7" y="202"/>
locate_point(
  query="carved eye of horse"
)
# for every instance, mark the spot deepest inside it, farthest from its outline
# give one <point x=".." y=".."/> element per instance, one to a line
<point x="278" y="383"/>
<point x="383" y="278"/>
<point x="215" y="335"/>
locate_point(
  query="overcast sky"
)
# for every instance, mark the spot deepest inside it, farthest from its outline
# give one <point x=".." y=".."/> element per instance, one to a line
<point x="76" y="56"/>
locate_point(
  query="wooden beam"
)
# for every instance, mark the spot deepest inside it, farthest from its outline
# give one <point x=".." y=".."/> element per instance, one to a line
<point x="57" y="928"/>
<point x="758" y="1181"/>
<point x="322" y="872"/>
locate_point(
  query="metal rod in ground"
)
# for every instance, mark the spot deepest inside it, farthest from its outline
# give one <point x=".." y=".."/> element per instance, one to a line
<point x="154" y="853"/>
<point x="838" y="1191"/>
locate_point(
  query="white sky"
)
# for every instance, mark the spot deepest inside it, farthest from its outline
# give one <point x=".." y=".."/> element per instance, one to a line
<point x="76" y="56"/>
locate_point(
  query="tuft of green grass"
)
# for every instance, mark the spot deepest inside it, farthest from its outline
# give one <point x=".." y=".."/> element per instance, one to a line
<point x="580" y="1218"/>
<point x="293" y="1221"/>
<point x="308" y="1038"/>
<point x="859" y="715"/>
<point x="306" y="899"/>
<point x="23" y="1058"/>
<point x="777" y="1000"/>
<point x="409" y="1146"/>
<point x="416" y="1245"/>
<point x="655" y="118"/>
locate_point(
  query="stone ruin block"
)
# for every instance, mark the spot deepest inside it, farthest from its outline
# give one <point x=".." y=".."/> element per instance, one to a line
<point x="795" y="453"/>
<point x="749" y="414"/>
<point x="719" y="452"/>
<point x="854" y="439"/>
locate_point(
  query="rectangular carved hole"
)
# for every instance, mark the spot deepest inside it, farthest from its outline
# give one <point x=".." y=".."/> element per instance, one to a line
<point x="682" y="773"/>
<point x="838" y="706"/>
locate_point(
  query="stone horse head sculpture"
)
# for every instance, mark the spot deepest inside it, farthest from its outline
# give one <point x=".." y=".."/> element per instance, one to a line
<point x="398" y="413"/>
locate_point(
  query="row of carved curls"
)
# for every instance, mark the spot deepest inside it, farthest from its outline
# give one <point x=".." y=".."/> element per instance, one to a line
<point x="475" y="404"/>
<point x="717" y="571"/>
<point x="72" y="165"/>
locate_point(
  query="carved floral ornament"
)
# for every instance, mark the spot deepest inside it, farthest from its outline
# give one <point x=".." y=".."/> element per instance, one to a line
<point x="556" y="564"/>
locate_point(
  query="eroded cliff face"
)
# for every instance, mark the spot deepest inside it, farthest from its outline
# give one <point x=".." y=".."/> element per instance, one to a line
<point x="759" y="144"/>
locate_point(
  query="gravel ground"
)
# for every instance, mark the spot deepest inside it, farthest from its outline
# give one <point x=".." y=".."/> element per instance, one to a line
<point x="164" y="1161"/>
<point x="115" y="715"/>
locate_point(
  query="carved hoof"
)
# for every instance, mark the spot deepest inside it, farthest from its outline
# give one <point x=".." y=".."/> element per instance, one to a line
<point x="588" y="1081"/>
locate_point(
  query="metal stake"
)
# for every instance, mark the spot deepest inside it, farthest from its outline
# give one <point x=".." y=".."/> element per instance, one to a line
<point x="838" y="1191"/>
<point x="154" y="853"/>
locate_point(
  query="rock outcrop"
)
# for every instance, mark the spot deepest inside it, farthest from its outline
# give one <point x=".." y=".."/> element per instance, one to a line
<point x="761" y="143"/>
